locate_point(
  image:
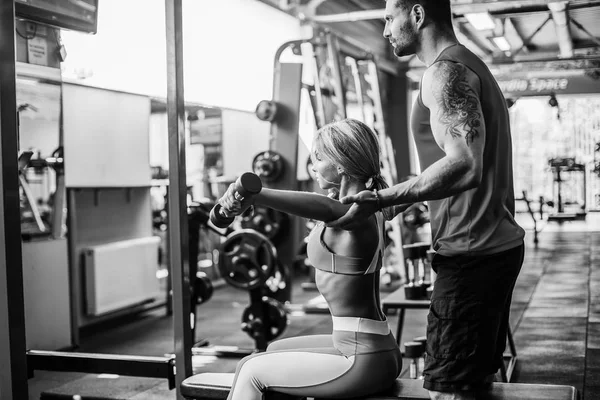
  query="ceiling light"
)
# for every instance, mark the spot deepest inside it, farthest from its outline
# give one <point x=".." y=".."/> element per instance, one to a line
<point x="501" y="43"/>
<point x="481" y="21"/>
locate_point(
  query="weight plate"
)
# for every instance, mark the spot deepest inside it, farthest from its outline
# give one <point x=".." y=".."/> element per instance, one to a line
<point x="269" y="222"/>
<point x="203" y="288"/>
<point x="247" y="259"/>
<point x="268" y="165"/>
<point x="273" y="323"/>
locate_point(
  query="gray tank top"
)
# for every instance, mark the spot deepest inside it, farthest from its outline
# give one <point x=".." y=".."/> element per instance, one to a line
<point x="479" y="221"/>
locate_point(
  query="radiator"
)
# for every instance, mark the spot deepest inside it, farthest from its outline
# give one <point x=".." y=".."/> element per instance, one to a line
<point x="120" y="274"/>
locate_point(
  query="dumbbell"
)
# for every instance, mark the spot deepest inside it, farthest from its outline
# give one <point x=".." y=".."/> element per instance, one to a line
<point x="413" y="351"/>
<point x="421" y="364"/>
<point x="247" y="185"/>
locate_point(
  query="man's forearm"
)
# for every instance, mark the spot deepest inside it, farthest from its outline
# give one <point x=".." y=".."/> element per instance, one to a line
<point x="444" y="178"/>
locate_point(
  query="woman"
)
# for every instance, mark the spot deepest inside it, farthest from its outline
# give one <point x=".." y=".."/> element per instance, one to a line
<point x="360" y="357"/>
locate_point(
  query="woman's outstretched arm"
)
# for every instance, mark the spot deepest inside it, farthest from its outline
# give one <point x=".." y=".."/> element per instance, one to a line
<point x="303" y="204"/>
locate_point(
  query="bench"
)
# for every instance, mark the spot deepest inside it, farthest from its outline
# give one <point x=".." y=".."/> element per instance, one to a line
<point x="216" y="386"/>
<point x="397" y="301"/>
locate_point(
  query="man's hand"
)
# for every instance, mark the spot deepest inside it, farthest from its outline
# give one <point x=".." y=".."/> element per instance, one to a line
<point x="365" y="205"/>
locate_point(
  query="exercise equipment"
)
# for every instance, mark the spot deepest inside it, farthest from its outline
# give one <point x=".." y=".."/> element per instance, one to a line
<point x="417" y="273"/>
<point x="271" y="326"/>
<point x="536" y="228"/>
<point x="269" y="222"/>
<point x="413" y="351"/>
<point x="279" y="285"/>
<point x="44" y="214"/>
<point x="92" y="363"/>
<point x="266" y="110"/>
<point x="246" y="185"/>
<point x="559" y="167"/>
<point x="203" y="288"/>
<point x="247" y="259"/>
<point x="216" y="386"/>
<point x="416" y="216"/>
<point x="264" y="319"/>
<point x="268" y="165"/>
<point x="201" y="285"/>
<point x="422" y="340"/>
<point x="398" y="301"/>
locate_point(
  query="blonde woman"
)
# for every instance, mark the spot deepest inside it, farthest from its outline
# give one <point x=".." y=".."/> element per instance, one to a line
<point x="361" y="356"/>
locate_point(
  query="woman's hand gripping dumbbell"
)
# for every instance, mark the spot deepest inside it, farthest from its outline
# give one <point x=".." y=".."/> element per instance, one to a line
<point x="236" y="200"/>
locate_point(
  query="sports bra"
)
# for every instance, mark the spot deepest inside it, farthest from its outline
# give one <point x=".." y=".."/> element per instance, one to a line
<point x="322" y="258"/>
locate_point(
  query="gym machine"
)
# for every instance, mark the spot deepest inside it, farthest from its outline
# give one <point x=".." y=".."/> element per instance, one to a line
<point x="247" y="260"/>
<point x="342" y="86"/>
<point x="51" y="220"/>
<point x="559" y="168"/>
<point x="536" y="228"/>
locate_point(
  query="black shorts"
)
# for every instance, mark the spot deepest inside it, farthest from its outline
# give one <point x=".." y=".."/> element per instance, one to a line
<point x="468" y="318"/>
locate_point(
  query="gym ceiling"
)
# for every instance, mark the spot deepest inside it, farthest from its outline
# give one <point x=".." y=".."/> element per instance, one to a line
<point x="530" y="34"/>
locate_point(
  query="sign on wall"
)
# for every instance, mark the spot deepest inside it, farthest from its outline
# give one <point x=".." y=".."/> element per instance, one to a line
<point x="539" y="86"/>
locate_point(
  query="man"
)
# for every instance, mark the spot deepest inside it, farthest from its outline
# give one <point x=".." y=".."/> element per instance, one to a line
<point x="460" y="124"/>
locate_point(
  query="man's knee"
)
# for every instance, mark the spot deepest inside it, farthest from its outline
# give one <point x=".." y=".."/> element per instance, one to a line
<point x="451" y="395"/>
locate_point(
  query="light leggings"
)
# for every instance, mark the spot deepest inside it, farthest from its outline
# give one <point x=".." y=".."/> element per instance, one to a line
<point x="360" y="357"/>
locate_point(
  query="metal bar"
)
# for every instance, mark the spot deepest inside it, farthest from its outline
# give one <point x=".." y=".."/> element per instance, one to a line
<point x="311" y="7"/>
<point x="178" y="227"/>
<point x="352" y="16"/>
<point x="527" y="40"/>
<point x="149" y="367"/>
<point x="320" y="111"/>
<point x="13" y="370"/>
<point x="334" y="55"/>
<point x="32" y="203"/>
<point x="386" y="65"/>
<point x="537" y="9"/>
<point x="349" y="46"/>
<point x="400" y="326"/>
<point x="582" y="28"/>
<point x="558" y="9"/>
<point x="503" y="61"/>
<point x="75" y="294"/>
<point x="509" y="6"/>
<point x="458" y="9"/>
<point x="467" y="41"/>
<point x="287" y="88"/>
<point x="357" y="86"/>
<point x="59" y="208"/>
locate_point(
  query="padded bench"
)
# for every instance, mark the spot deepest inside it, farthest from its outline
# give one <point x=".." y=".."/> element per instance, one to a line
<point x="216" y="386"/>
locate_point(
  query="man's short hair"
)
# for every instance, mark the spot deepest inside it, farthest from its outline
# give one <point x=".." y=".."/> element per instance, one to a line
<point x="438" y="10"/>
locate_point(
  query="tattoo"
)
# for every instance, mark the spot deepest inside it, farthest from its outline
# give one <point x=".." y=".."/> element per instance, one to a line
<point x="458" y="103"/>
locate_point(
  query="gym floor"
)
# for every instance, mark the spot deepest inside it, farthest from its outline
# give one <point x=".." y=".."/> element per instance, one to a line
<point x="555" y="320"/>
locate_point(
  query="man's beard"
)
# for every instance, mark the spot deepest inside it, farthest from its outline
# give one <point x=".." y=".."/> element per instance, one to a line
<point x="407" y="45"/>
<point x="402" y="51"/>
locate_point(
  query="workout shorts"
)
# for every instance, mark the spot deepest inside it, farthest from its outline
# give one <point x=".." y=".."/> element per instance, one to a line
<point x="468" y="319"/>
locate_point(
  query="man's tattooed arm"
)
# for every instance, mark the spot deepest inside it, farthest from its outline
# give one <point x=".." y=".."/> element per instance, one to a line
<point x="458" y="107"/>
<point x="452" y="93"/>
